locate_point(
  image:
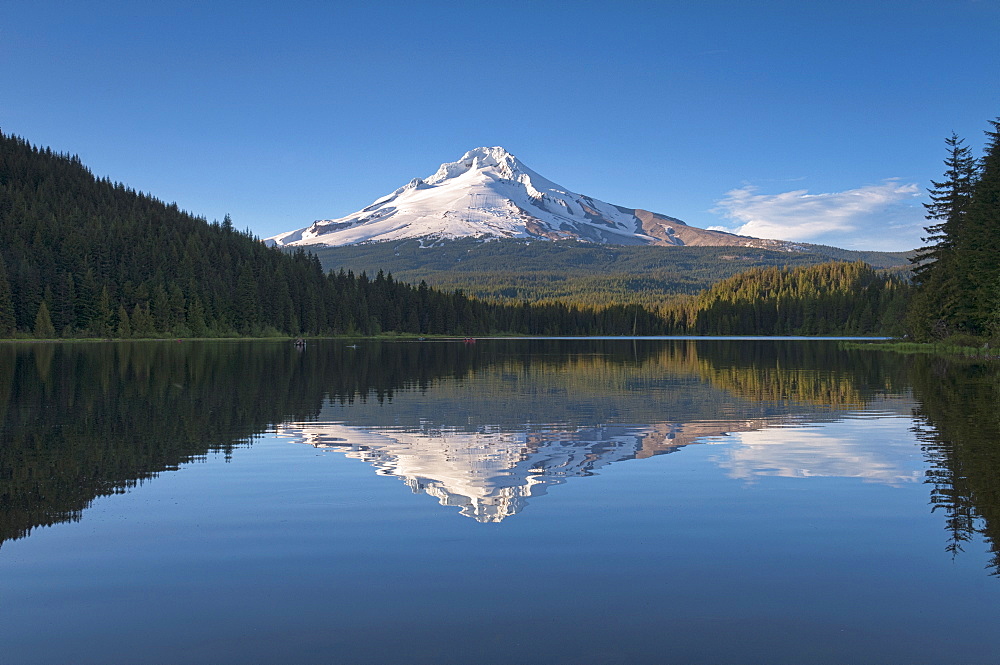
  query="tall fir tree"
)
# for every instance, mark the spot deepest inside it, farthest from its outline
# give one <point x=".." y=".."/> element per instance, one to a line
<point x="983" y="229"/>
<point x="941" y="305"/>
<point x="43" y="322"/>
<point x="124" y="328"/>
<point x="8" y="323"/>
<point x="102" y="325"/>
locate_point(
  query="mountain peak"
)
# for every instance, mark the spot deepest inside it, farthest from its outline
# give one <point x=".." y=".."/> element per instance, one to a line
<point x="488" y="192"/>
<point x="494" y="155"/>
<point x="478" y="159"/>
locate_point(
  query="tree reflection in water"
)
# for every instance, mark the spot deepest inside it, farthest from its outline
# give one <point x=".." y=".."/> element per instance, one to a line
<point x="958" y="423"/>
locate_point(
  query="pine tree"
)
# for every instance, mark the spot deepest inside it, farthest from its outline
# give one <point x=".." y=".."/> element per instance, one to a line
<point x="87" y="302"/>
<point x="43" y="323"/>
<point x="102" y="323"/>
<point x="124" y="329"/>
<point x="7" y="320"/>
<point x="949" y="202"/>
<point x="246" y="303"/>
<point x="942" y="305"/>
<point x="64" y="314"/>
<point x="196" y="317"/>
<point x="176" y="319"/>
<point x="142" y="321"/>
<point x="983" y="245"/>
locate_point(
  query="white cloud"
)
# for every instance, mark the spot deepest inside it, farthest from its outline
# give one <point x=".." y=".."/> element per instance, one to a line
<point x="880" y="216"/>
<point x="877" y="451"/>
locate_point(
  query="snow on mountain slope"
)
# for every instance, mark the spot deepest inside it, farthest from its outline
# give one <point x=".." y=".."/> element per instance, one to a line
<point x="490" y="193"/>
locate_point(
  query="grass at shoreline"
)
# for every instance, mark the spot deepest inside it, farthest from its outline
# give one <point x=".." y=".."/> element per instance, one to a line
<point x="934" y="348"/>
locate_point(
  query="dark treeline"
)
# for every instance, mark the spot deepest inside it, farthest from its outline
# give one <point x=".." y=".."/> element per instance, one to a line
<point x="958" y="273"/>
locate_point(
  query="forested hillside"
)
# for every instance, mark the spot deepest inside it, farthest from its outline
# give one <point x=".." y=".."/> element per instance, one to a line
<point x="832" y="298"/>
<point x="586" y="274"/>
<point x="85" y="256"/>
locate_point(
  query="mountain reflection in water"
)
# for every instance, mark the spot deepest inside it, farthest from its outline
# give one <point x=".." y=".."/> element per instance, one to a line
<point x="490" y="474"/>
<point x="487" y="427"/>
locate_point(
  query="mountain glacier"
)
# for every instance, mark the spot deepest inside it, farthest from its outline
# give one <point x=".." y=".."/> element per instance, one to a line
<point x="490" y="193"/>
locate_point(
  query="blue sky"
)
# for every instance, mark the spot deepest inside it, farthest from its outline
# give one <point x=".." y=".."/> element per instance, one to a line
<point x="814" y="121"/>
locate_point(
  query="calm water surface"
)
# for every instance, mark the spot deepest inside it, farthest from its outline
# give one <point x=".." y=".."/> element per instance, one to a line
<point x="532" y="501"/>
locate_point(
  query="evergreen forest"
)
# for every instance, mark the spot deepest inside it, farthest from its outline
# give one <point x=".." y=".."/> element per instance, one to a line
<point x="829" y="299"/>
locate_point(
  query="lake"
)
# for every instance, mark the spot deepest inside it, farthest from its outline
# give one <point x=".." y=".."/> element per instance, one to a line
<point x="503" y="501"/>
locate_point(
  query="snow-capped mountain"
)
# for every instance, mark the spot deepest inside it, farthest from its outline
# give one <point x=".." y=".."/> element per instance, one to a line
<point x="490" y="193"/>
